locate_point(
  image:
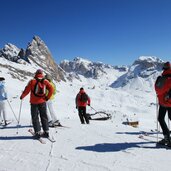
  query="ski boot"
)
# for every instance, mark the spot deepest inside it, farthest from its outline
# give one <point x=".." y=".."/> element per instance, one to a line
<point x="165" y="141"/>
<point x="45" y="134"/>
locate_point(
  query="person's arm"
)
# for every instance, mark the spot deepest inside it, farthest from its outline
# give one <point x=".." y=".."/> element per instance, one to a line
<point x="89" y="101"/>
<point x="76" y="100"/>
<point x="5" y="92"/>
<point x="50" y="89"/>
<point x="26" y="90"/>
<point x="54" y="88"/>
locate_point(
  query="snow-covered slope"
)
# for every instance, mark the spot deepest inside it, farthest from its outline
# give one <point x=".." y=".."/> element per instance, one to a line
<point x="102" y="145"/>
<point x="141" y="74"/>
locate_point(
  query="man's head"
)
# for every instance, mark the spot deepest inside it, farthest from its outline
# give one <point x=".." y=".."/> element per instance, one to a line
<point x="39" y="74"/>
<point x="166" y="66"/>
<point x="81" y="88"/>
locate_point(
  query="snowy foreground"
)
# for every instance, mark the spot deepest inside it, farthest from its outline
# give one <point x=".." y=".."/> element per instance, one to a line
<point x="98" y="146"/>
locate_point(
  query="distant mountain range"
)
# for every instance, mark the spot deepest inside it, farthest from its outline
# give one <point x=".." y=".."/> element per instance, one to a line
<point x="143" y="71"/>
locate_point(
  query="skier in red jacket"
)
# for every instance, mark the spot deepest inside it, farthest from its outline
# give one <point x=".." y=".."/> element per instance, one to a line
<point x="82" y="100"/>
<point x="37" y="87"/>
<point x="164" y="97"/>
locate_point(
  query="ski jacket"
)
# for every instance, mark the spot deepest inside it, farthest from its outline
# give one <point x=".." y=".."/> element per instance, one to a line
<point x="3" y="92"/>
<point x="54" y="90"/>
<point x="162" y="92"/>
<point x="78" y="101"/>
<point x="30" y="88"/>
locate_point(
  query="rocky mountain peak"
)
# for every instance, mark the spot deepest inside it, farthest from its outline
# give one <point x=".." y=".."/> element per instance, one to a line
<point x="144" y="70"/>
<point x="38" y="52"/>
<point x="36" y="55"/>
<point x="81" y="66"/>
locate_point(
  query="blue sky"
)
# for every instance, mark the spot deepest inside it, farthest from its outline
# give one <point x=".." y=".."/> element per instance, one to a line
<point x="115" y="32"/>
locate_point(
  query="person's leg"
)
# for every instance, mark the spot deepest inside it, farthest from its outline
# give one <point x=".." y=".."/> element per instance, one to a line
<point x="85" y="115"/>
<point x="161" y="119"/>
<point x="4" y="111"/>
<point x="43" y="116"/>
<point x="169" y="112"/>
<point x="1" y="112"/>
<point x="80" y="113"/>
<point x="48" y="112"/>
<point x="51" y="111"/>
<point x="35" y="118"/>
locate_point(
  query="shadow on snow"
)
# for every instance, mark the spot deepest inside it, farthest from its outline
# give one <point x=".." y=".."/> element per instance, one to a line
<point x="7" y="138"/>
<point x="16" y="126"/>
<point x="115" y="147"/>
<point x="112" y="147"/>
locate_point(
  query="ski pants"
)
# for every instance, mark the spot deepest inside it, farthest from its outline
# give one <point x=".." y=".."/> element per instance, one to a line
<point x="3" y="110"/>
<point x="36" y="110"/>
<point x="50" y="113"/>
<point x="161" y="119"/>
<point x="82" y="114"/>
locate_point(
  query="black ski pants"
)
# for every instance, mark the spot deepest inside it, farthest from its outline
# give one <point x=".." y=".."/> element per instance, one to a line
<point x="36" y="110"/>
<point x="161" y="119"/>
<point x="82" y="114"/>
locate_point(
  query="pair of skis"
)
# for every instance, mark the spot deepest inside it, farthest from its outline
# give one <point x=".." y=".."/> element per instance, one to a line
<point x="145" y="135"/>
<point x="41" y="140"/>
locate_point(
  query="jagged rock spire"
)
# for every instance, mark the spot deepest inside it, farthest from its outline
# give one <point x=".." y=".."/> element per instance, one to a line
<point x="38" y="52"/>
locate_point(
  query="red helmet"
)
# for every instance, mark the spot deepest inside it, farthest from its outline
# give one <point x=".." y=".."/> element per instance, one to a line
<point x="39" y="74"/>
<point x="39" y="71"/>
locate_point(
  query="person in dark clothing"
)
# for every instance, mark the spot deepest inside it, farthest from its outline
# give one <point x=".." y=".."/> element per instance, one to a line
<point x="164" y="103"/>
<point x="82" y="100"/>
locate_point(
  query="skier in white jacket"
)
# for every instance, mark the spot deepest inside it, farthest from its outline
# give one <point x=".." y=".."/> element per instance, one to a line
<point x="3" y="98"/>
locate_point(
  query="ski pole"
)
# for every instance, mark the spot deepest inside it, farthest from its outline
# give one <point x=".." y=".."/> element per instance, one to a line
<point x="12" y="110"/>
<point x="157" y="114"/>
<point x="19" y="117"/>
<point x="168" y="122"/>
<point x="93" y="109"/>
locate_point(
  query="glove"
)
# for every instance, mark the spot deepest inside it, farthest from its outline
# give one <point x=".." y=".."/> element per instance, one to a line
<point x="21" y="97"/>
<point x="46" y="98"/>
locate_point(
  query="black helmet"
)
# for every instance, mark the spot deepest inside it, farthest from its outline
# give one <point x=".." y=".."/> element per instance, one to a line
<point x="166" y="66"/>
<point x="2" y="78"/>
<point x="81" y="88"/>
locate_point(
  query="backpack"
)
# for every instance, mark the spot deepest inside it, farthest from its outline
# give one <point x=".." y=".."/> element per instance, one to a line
<point x="169" y="94"/>
<point x="83" y="97"/>
<point x="39" y="88"/>
<point x="160" y="82"/>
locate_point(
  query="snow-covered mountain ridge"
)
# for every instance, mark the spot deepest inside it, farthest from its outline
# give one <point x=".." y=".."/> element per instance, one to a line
<point x="89" y="69"/>
<point x="36" y="55"/>
<point x="141" y="74"/>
